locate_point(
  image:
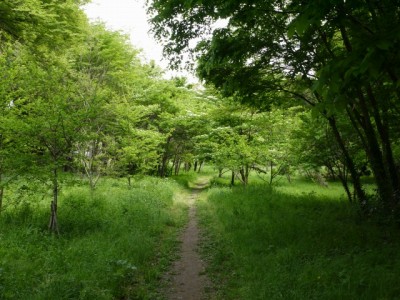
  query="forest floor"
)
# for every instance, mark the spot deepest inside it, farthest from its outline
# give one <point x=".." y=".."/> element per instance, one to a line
<point x="187" y="278"/>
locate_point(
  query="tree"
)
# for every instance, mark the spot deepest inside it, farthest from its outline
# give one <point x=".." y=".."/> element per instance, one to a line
<point x="338" y="57"/>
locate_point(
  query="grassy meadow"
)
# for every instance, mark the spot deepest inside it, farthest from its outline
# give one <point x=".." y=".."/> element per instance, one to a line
<point x="114" y="243"/>
<point x="295" y="241"/>
<point x="288" y="241"/>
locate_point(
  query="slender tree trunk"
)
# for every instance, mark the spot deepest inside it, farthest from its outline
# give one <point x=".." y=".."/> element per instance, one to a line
<point x="383" y="131"/>
<point x="177" y="166"/>
<point x="1" y="198"/>
<point x="271" y="177"/>
<point x="163" y="166"/>
<point x="220" y="172"/>
<point x="350" y="164"/>
<point x="200" y="165"/>
<point x="162" y="170"/>
<point x="53" y="225"/>
<point x="375" y="156"/>
<point x="379" y="168"/>
<point x="195" y="165"/>
<point x="233" y="178"/>
<point x="1" y="192"/>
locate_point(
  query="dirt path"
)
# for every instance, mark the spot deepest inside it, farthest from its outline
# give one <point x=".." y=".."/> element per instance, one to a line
<point x="187" y="279"/>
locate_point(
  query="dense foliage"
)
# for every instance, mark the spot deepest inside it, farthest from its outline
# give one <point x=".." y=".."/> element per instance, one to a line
<point x="338" y="58"/>
<point x="75" y="97"/>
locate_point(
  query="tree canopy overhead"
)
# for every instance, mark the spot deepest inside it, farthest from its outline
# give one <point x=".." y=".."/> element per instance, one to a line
<point x="338" y="57"/>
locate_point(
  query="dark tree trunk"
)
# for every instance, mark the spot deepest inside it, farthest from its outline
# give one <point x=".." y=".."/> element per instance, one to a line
<point x="177" y="166"/>
<point x="360" y="194"/>
<point x="271" y="177"/>
<point x="195" y="165"/>
<point x="378" y="165"/>
<point x="383" y="130"/>
<point x="1" y="192"/>
<point x="233" y="178"/>
<point x="1" y="198"/>
<point x="53" y="225"/>
<point x="200" y="165"/>
<point x="162" y="168"/>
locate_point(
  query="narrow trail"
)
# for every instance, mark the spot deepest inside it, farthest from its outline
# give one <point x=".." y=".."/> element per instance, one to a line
<point x="187" y="276"/>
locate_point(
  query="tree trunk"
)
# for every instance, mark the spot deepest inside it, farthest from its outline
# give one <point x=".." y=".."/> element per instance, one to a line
<point x="1" y="198"/>
<point x="360" y="194"/>
<point x="375" y="156"/>
<point x="195" y="165"/>
<point x="1" y="192"/>
<point x="162" y="169"/>
<point x="200" y="165"/>
<point x="163" y="166"/>
<point x="233" y="178"/>
<point x="53" y="225"/>
<point x="177" y="166"/>
<point x="383" y="131"/>
<point x="220" y="172"/>
<point x="271" y="177"/>
<point x="244" y="173"/>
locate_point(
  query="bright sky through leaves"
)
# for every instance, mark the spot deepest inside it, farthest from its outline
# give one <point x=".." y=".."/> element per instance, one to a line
<point x="130" y="17"/>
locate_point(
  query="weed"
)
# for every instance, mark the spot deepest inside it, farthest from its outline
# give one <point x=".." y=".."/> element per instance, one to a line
<point x="114" y="243"/>
<point x="296" y="242"/>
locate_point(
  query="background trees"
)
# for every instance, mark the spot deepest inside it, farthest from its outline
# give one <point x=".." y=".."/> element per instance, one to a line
<point x="76" y="97"/>
<point x="337" y="57"/>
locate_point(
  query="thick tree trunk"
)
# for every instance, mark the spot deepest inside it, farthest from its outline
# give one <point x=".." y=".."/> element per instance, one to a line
<point x="244" y="174"/>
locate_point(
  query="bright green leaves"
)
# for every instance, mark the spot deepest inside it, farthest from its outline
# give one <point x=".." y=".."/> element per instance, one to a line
<point x="42" y="24"/>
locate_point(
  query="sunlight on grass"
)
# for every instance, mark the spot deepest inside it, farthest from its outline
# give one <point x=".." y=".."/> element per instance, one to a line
<point x="114" y="243"/>
<point x="296" y="242"/>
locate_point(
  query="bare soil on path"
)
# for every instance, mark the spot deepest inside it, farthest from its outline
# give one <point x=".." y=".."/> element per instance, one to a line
<point x="187" y="279"/>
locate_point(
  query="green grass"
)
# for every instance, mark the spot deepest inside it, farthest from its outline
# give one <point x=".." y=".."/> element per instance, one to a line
<point x="114" y="243"/>
<point x="296" y="241"/>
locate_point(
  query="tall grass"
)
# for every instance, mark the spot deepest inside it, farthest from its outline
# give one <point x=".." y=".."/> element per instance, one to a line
<point x="291" y="243"/>
<point x="114" y="243"/>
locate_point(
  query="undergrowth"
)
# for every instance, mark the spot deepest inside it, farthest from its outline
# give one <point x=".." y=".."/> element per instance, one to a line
<point x="114" y="243"/>
<point x="296" y="243"/>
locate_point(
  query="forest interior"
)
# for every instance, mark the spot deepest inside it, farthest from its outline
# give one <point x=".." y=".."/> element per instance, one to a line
<point x="275" y="176"/>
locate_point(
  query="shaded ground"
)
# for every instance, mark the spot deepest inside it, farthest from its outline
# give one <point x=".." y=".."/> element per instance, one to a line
<point x="187" y="277"/>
